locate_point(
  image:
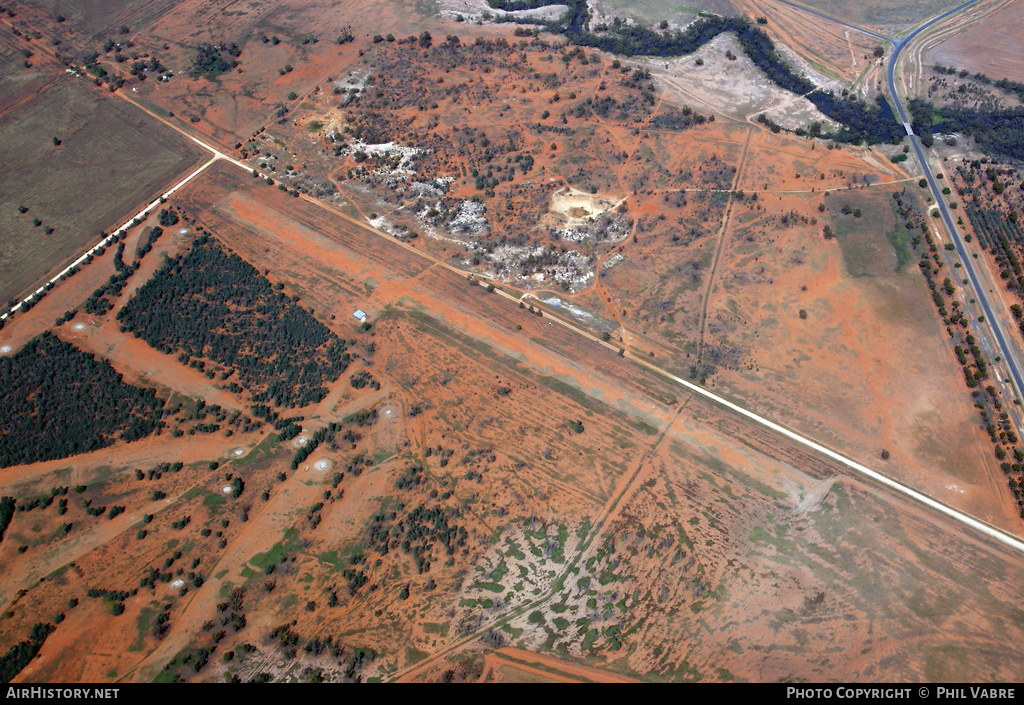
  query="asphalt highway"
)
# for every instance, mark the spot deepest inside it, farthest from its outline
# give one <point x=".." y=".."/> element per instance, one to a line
<point x="994" y="328"/>
<point x="982" y="527"/>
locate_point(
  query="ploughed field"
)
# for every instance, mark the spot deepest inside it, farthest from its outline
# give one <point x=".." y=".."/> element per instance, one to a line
<point x="58" y="197"/>
<point x="990" y="46"/>
<point x="470" y="482"/>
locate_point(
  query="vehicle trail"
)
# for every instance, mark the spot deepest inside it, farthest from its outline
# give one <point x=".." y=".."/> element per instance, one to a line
<point x="944" y="509"/>
<point x="723" y="236"/>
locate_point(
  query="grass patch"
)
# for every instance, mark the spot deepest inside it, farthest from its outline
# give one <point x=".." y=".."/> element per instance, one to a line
<point x="414" y="655"/>
<point x="500" y="572"/>
<point x="439" y="629"/>
<point x="213" y="501"/>
<point x="264" y="449"/>
<point x="869" y="243"/>
<point x="273" y="556"/>
<point x="513" y="631"/>
<point x="340" y="561"/>
<point x="567" y="390"/>
<point x="143" y="623"/>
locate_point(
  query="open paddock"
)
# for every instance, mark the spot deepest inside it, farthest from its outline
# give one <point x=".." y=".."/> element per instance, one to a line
<point x="992" y="45"/>
<point x="111" y="158"/>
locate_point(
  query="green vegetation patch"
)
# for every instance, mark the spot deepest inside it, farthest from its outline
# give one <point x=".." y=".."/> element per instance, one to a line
<point x="414" y="655"/>
<point x="60" y="401"/>
<point x="867" y="230"/>
<point x="144" y="623"/>
<point x="273" y="556"/>
<point x="211" y="306"/>
<point x="439" y="629"/>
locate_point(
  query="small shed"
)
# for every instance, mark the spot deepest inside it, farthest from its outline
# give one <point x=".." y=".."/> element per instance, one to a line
<point x="360" y="315"/>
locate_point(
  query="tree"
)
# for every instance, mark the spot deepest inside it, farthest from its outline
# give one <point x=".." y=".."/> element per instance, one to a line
<point x="426" y="39"/>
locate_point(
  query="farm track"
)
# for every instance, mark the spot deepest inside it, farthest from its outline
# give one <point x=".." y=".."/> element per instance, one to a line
<point x="751" y="429"/>
<point x="603" y="521"/>
<point x="858" y="468"/>
<point x="722" y="237"/>
<point x="549" y="668"/>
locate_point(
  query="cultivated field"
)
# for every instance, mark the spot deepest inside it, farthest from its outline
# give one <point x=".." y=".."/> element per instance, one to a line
<point x="654" y="11"/>
<point x="110" y="159"/>
<point x="19" y="82"/>
<point x="485" y="490"/>
<point x="884" y="16"/>
<point x="991" y="45"/>
<point x="94" y="19"/>
<point x="821" y="46"/>
<point x="494" y="476"/>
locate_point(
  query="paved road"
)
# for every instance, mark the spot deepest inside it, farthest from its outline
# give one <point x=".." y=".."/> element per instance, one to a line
<point x="837" y="21"/>
<point x="898" y="46"/>
<point x="988" y="530"/>
<point x="998" y="342"/>
<point x="994" y="328"/>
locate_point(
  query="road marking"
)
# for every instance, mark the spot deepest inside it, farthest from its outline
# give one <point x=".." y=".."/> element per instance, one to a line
<point x="110" y="238"/>
<point x="966" y="519"/>
<point x="984" y="528"/>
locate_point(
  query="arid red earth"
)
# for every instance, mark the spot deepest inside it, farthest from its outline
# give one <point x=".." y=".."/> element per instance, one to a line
<point x="405" y="384"/>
